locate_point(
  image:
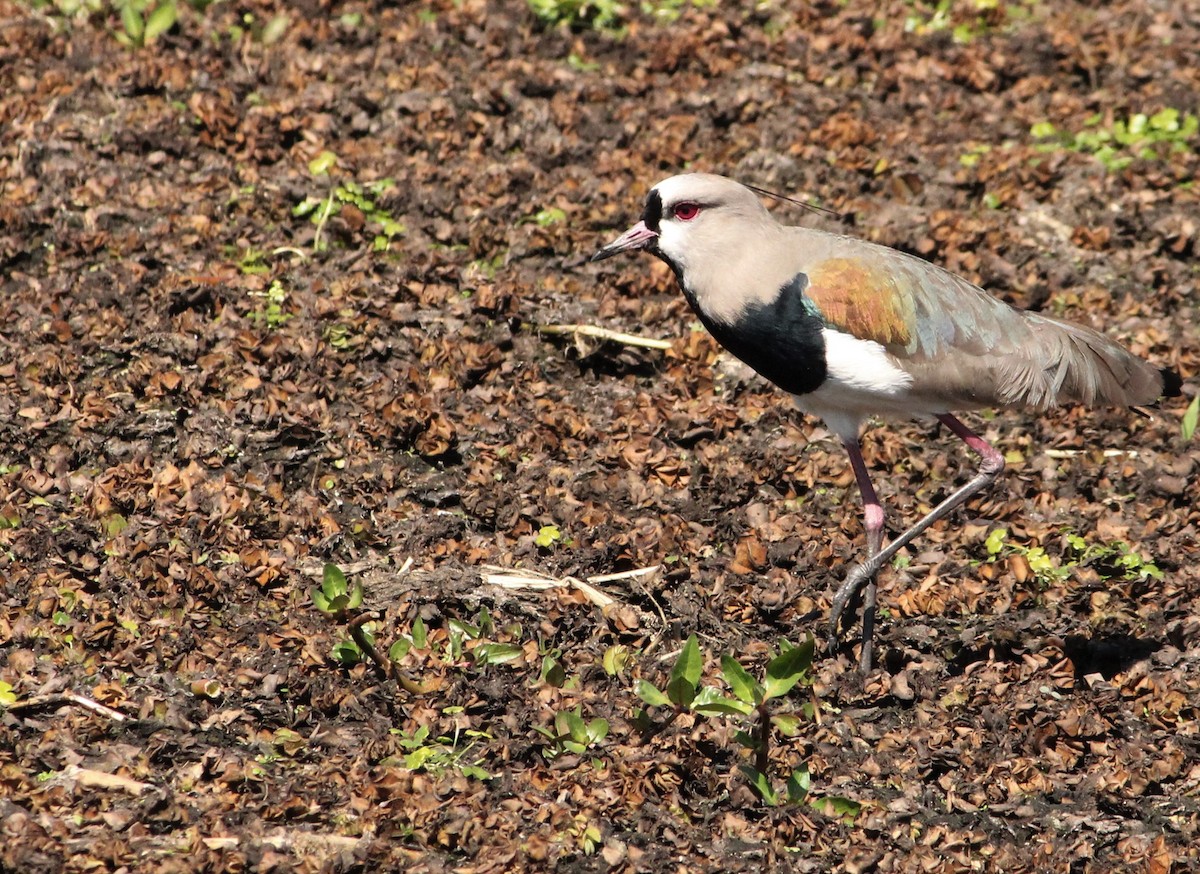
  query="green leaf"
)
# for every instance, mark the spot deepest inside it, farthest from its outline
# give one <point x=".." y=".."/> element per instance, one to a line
<point x="135" y="28"/>
<point x="333" y="581"/>
<point x="710" y="701"/>
<point x="995" y="541"/>
<point x="417" y="759"/>
<point x="547" y="536"/>
<point x="323" y="163"/>
<point x="464" y="629"/>
<point x="549" y="216"/>
<point x="7" y="696"/>
<point x="161" y="20"/>
<point x="1187" y="427"/>
<point x="553" y="672"/>
<point x="399" y="649"/>
<point x="761" y="784"/>
<point x="497" y="653"/>
<point x="681" y="691"/>
<point x="746" y="739"/>
<point x="275" y="30"/>
<point x="689" y="664"/>
<point x="836" y="805"/>
<point x="651" y="694"/>
<point x="474" y="771"/>
<point x="616" y="659"/>
<point x="786" y="669"/>
<point x="798" y="785"/>
<point x="420" y="637"/>
<point x="320" y="600"/>
<point x="787" y="723"/>
<point x="597" y="730"/>
<point x="570" y="724"/>
<point x="1043" y="130"/>
<point x="1165" y="120"/>
<point x="743" y="685"/>
<point x="114" y="524"/>
<point x="347" y="653"/>
<point x="306" y="206"/>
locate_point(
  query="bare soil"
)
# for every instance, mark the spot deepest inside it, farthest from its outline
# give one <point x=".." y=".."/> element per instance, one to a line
<point x="205" y="397"/>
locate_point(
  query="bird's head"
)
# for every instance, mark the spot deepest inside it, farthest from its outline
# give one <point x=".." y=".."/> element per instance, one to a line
<point x="693" y="218"/>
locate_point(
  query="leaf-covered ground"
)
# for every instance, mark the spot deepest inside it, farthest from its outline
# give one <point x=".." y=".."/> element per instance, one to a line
<point x="226" y="359"/>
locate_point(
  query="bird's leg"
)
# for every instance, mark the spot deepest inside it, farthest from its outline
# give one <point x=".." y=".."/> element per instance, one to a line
<point x="873" y="522"/>
<point x="991" y="466"/>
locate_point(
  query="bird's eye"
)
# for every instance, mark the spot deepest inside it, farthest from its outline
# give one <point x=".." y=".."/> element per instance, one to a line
<point x="686" y="211"/>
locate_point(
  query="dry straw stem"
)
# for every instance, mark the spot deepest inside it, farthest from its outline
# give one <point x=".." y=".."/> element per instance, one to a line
<point x="42" y="701"/>
<point x="604" y="334"/>
<point x="508" y="579"/>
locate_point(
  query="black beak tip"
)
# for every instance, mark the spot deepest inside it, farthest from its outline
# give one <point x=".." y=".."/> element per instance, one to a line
<point x="601" y="254"/>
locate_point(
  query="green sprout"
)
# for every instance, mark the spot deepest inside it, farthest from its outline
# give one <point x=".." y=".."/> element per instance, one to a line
<point x="571" y="734"/>
<point x="750" y="701"/>
<point x="1149" y="137"/>
<point x="1187" y="427"/>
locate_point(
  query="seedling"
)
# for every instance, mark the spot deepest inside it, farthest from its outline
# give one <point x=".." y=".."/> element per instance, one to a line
<point x="553" y="673"/>
<point x="750" y="701"/>
<point x="1187" y="427"/>
<point x="335" y="596"/>
<point x="1112" y="561"/>
<point x="442" y="754"/>
<point x="965" y="21"/>
<point x="601" y="15"/>
<point x="338" y="336"/>
<point x="252" y="262"/>
<point x="1044" y="569"/>
<point x="588" y="835"/>
<point x="1150" y="137"/>
<point x="616" y="659"/>
<point x="461" y="643"/>
<point x="548" y="535"/>
<point x="271" y="313"/>
<point x="607" y="16"/>
<point x="144" y="22"/>
<point x="250" y="27"/>
<point x="363" y="197"/>
<point x="570" y="734"/>
<point x="551" y="215"/>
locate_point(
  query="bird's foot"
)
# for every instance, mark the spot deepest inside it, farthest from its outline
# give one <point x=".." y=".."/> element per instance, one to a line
<point x="845" y="594"/>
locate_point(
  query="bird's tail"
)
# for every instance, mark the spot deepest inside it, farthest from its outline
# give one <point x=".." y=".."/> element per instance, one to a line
<point x="1069" y="363"/>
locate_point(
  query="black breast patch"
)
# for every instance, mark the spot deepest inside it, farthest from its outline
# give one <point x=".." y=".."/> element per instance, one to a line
<point x="781" y="340"/>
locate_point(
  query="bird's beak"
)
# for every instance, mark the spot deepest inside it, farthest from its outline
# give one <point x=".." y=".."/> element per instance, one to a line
<point x="637" y="237"/>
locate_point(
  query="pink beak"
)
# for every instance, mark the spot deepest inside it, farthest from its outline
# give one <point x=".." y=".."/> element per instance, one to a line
<point x="637" y="237"/>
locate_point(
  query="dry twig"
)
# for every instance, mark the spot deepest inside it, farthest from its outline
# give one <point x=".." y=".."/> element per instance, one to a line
<point x="41" y="701"/>
<point x="604" y="334"/>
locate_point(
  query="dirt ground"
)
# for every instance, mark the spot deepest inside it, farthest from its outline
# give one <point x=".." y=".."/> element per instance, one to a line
<point x="228" y="358"/>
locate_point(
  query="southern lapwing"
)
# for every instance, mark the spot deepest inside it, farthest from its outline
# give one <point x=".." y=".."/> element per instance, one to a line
<point x="853" y="329"/>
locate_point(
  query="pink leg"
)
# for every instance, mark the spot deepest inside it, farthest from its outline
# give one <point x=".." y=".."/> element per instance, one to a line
<point x="989" y="469"/>
<point x="873" y="522"/>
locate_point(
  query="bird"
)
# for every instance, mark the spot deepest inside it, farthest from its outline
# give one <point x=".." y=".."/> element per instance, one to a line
<point x="853" y="329"/>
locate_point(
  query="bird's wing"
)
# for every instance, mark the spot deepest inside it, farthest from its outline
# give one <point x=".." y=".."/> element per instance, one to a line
<point x="963" y="346"/>
<point x="920" y="313"/>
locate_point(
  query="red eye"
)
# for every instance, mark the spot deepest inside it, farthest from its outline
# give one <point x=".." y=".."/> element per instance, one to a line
<point x="686" y="211"/>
